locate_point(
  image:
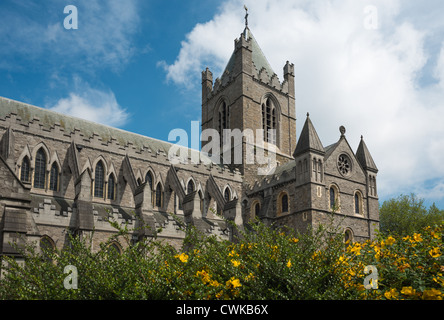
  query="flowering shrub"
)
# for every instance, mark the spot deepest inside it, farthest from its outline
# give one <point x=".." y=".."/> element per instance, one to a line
<point x="264" y="263"/>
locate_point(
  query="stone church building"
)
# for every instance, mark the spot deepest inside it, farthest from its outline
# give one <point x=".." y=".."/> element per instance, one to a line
<point x="60" y="175"/>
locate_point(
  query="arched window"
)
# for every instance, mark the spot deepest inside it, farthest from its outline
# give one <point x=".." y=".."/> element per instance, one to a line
<point x="111" y="187"/>
<point x="257" y="209"/>
<point x="227" y="194"/>
<point x="190" y="186"/>
<point x="224" y="120"/>
<point x="99" y="180"/>
<point x="332" y="198"/>
<point x="348" y="235"/>
<point x="40" y="169"/>
<point x="149" y="178"/>
<point x="159" y="195"/>
<point x="358" y="203"/>
<point x="54" y="177"/>
<point x="46" y="247"/>
<point x="24" y="170"/>
<point x="284" y="203"/>
<point x="114" y="249"/>
<point x="269" y="122"/>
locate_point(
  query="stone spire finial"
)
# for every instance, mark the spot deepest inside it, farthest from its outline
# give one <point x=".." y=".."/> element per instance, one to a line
<point x="246" y="16"/>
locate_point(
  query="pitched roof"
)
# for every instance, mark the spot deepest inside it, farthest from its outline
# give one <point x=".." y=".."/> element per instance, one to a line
<point x="258" y="56"/>
<point x="308" y="140"/>
<point x="364" y="157"/>
<point x="47" y="119"/>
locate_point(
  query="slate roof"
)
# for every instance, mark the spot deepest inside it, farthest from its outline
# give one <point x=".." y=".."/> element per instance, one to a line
<point x="364" y="157"/>
<point x="47" y="118"/>
<point x="308" y="140"/>
<point x="258" y="56"/>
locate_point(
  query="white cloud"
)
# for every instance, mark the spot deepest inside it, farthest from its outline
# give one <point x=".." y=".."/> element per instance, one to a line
<point x="93" y="105"/>
<point x="103" y="38"/>
<point x="367" y="80"/>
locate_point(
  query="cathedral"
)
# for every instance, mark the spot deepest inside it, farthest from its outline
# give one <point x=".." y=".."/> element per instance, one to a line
<point x="61" y="175"/>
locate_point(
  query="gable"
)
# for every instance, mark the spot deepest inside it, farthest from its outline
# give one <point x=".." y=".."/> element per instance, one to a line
<point x="333" y="163"/>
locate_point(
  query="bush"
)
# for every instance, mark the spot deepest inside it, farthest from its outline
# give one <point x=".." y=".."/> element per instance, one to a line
<point x="264" y="263"/>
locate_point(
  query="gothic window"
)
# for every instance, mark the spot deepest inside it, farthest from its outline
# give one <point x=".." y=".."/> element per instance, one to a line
<point x="227" y="194"/>
<point x="159" y="195"/>
<point x="47" y="247"/>
<point x="24" y="170"/>
<point x="190" y="186"/>
<point x="344" y="165"/>
<point x="40" y="169"/>
<point x="332" y="198"/>
<point x="114" y="249"/>
<point x="54" y="177"/>
<point x="111" y="187"/>
<point x="149" y="179"/>
<point x="269" y="122"/>
<point x="348" y="235"/>
<point x="284" y="203"/>
<point x="224" y="121"/>
<point x="99" y="180"/>
<point x="257" y="209"/>
<point x="358" y="203"/>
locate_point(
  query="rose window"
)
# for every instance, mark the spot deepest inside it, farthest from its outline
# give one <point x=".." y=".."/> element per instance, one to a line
<point x="344" y="164"/>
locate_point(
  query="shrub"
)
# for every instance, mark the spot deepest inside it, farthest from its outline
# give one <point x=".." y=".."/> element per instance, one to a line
<point x="265" y="263"/>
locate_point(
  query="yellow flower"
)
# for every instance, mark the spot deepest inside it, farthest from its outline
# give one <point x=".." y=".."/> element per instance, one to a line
<point x="205" y="276"/>
<point x="434" y="235"/>
<point x="432" y="294"/>
<point x="232" y="253"/>
<point x="289" y="263"/>
<point x="214" y="283"/>
<point x="235" y="263"/>
<point x="417" y="237"/>
<point x="182" y="257"/>
<point x="439" y="279"/>
<point x="295" y="240"/>
<point x="435" y="253"/>
<point x="408" y="291"/>
<point x="233" y="283"/>
<point x="249" y="277"/>
<point x="390" y="240"/>
<point x="356" y="249"/>
<point x="391" y="294"/>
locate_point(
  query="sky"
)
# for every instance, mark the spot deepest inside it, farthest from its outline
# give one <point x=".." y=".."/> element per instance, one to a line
<point x="375" y="67"/>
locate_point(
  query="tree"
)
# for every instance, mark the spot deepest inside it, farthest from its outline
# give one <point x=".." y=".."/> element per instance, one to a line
<point x="407" y="214"/>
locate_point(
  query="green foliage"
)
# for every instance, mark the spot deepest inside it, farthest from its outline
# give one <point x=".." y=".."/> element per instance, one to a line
<point x="407" y="214"/>
<point x="264" y="263"/>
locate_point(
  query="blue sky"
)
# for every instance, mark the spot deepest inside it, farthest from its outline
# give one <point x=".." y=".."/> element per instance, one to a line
<point x="376" y="67"/>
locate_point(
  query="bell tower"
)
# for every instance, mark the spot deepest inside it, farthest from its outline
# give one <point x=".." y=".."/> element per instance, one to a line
<point x="249" y="98"/>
